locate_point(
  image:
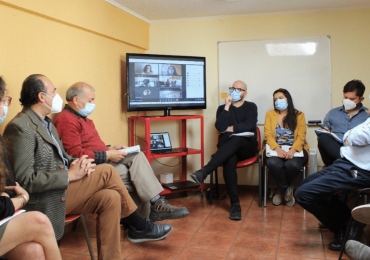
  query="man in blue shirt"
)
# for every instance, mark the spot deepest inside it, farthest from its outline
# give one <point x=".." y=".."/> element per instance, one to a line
<point x="341" y="119"/>
<point x="350" y="172"/>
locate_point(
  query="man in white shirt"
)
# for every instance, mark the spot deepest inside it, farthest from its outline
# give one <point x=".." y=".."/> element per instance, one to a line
<point x="350" y="172"/>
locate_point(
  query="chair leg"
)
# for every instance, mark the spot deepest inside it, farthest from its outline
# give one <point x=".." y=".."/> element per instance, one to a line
<point x="265" y="187"/>
<point x="211" y="189"/>
<point x="217" y="192"/>
<point x="87" y="237"/>
<point x="75" y="225"/>
<point x="260" y="183"/>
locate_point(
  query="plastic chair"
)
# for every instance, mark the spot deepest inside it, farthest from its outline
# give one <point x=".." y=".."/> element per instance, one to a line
<point x="242" y="164"/>
<point x="304" y="173"/>
<point x="70" y="218"/>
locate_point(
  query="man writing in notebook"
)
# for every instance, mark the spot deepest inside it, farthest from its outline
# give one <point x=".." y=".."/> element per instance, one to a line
<point x="79" y="136"/>
<point x="341" y="119"/>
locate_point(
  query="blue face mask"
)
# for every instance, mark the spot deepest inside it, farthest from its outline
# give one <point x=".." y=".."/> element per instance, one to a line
<point x="87" y="110"/>
<point x="5" y="107"/>
<point x="281" y="104"/>
<point x="235" y="94"/>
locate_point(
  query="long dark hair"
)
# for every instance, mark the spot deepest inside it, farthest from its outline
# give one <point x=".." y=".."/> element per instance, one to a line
<point x="3" y="169"/>
<point x="290" y="121"/>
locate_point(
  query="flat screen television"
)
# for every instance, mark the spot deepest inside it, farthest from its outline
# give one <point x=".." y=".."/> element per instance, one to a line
<point x="165" y="82"/>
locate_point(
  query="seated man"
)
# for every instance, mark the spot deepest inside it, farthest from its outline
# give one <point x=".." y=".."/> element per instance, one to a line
<point x="350" y="172"/>
<point x="58" y="186"/>
<point x="235" y="116"/>
<point x="341" y="119"/>
<point x="80" y="137"/>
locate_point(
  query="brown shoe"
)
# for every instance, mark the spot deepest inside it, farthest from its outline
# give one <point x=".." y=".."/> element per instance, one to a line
<point x="161" y="210"/>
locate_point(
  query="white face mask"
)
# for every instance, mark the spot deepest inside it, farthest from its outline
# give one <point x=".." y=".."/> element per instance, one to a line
<point x="57" y="104"/>
<point x="349" y="104"/>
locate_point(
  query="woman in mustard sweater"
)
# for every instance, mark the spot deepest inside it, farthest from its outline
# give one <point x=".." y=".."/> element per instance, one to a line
<point x="285" y="126"/>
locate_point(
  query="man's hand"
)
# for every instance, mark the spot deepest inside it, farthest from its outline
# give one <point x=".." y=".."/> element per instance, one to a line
<point x="119" y="146"/>
<point x="290" y="154"/>
<point x="228" y="101"/>
<point x="115" y="156"/>
<point x="230" y="129"/>
<point x="281" y="153"/>
<point x="80" y="167"/>
<point x="326" y="129"/>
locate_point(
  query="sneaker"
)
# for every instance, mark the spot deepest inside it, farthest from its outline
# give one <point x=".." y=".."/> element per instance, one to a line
<point x="161" y="210"/>
<point x="235" y="212"/>
<point x="362" y="213"/>
<point x="289" y="194"/>
<point x="198" y="177"/>
<point x="278" y="198"/>
<point x="152" y="232"/>
<point x="291" y="202"/>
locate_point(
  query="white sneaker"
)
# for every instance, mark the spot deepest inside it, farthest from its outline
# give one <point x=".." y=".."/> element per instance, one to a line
<point x="278" y="198"/>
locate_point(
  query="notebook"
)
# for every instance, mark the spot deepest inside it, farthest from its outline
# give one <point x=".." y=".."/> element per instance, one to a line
<point x="160" y="143"/>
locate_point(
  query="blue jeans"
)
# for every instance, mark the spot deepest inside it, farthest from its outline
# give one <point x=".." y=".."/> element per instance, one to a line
<point x="316" y="192"/>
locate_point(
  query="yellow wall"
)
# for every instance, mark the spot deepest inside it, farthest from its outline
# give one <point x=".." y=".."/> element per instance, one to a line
<point x="350" y="52"/>
<point x="70" y="41"/>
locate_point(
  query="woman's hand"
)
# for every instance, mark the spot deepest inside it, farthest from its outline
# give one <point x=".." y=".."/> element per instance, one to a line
<point x="18" y="190"/>
<point x="290" y="154"/>
<point x="281" y="153"/>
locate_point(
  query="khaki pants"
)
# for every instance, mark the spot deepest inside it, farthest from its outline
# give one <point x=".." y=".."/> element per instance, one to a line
<point x="102" y="193"/>
<point x="141" y="175"/>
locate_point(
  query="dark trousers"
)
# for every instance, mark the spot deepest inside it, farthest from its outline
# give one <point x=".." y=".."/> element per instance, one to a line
<point x="329" y="149"/>
<point x="229" y="152"/>
<point x="284" y="171"/>
<point x="316" y="192"/>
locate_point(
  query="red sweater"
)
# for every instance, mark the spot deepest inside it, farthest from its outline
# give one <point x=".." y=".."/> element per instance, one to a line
<point x="78" y="134"/>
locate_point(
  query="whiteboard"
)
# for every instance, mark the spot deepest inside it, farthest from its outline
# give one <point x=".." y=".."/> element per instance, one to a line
<point x="300" y="65"/>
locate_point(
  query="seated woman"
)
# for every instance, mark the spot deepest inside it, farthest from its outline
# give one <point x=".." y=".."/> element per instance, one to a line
<point x="30" y="234"/>
<point x="285" y="125"/>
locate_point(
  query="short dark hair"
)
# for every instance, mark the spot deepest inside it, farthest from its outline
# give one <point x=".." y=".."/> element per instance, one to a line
<point x="2" y="87"/>
<point x="355" y="86"/>
<point x="31" y="87"/>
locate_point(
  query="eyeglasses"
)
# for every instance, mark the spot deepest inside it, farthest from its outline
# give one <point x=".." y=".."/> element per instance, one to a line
<point x="238" y="89"/>
<point x="7" y="100"/>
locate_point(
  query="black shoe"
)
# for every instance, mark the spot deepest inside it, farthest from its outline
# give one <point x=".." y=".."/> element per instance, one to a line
<point x="151" y="232"/>
<point x="161" y="210"/>
<point x="198" y="177"/>
<point x="355" y="233"/>
<point x="336" y="245"/>
<point x="235" y="212"/>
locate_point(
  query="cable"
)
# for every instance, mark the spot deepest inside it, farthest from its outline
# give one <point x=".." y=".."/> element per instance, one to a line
<point x="129" y="127"/>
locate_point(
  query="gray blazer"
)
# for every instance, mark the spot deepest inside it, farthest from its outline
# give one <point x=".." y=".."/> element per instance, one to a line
<point x="38" y="167"/>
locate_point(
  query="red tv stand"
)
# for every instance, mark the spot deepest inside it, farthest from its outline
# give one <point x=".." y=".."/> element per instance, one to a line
<point x="191" y="151"/>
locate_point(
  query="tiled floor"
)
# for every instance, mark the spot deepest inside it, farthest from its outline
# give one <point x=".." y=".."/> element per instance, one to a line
<point x="207" y="233"/>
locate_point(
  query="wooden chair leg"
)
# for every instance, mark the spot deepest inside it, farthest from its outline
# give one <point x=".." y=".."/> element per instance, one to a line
<point x="87" y="237"/>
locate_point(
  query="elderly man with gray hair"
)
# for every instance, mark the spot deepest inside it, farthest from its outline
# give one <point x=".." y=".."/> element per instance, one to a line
<point x="79" y="137"/>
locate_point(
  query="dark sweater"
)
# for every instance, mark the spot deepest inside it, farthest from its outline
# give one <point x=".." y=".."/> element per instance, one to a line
<point x="6" y="205"/>
<point x="243" y="118"/>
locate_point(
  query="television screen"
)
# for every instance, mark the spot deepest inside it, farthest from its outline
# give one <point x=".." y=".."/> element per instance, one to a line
<point x="165" y="82"/>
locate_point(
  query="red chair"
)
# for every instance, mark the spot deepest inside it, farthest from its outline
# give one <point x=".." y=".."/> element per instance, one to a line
<point x="242" y="164"/>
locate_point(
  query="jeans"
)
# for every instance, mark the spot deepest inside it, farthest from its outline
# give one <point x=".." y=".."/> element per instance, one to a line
<point x="284" y="171"/>
<point x="316" y="192"/>
<point x="229" y="152"/>
<point x="329" y="149"/>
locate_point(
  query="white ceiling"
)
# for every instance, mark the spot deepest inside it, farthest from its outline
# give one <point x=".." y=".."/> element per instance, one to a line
<point x="165" y="10"/>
